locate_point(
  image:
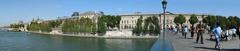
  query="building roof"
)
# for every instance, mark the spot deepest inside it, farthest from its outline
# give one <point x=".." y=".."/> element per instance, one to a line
<point x="90" y="13"/>
<point x="159" y="14"/>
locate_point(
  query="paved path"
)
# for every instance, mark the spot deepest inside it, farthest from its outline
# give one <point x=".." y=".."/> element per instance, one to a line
<point x="181" y="44"/>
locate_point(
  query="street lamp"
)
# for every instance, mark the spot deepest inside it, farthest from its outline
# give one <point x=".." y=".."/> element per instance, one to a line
<point x="164" y="6"/>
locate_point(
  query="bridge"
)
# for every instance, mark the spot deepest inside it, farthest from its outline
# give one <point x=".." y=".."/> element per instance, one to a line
<point x="176" y="42"/>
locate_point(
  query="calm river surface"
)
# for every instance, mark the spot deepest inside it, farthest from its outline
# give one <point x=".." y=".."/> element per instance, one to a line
<point x="21" y="41"/>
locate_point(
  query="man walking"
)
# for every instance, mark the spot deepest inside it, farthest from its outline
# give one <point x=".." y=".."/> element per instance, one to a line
<point x="200" y="31"/>
<point x="192" y="31"/>
<point x="217" y="32"/>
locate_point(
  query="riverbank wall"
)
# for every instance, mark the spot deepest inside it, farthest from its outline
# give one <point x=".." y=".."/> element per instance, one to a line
<point x="96" y="36"/>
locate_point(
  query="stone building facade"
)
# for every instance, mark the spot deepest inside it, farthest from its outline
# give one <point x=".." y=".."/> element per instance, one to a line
<point x="89" y="14"/>
<point x="128" y="22"/>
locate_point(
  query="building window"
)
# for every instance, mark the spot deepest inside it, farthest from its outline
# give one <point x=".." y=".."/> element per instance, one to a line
<point x="125" y="27"/>
<point x="125" y="22"/>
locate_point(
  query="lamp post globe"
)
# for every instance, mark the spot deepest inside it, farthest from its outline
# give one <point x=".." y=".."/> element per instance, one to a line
<point x="164" y="4"/>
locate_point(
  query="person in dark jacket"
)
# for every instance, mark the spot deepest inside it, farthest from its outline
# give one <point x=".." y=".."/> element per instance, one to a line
<point x="192" y="31"/>
<point x="200" y="31"/>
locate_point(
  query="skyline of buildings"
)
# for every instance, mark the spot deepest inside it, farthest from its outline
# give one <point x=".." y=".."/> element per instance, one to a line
<point x="128" y="21"/>
<point x="15" y="10"/>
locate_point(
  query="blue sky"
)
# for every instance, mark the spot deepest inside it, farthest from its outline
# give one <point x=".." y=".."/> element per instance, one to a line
<point x="12" y="11"/>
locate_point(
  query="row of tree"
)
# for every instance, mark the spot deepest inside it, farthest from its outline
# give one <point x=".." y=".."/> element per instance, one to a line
<point x="16" y="25"/>
<point x="225" y="22"/>
<point x="82" y="25"/>
<point x="180" y="19"/>
<point x="210" y="20"/>
<point x="107" y="22"/>
<point x="149" y="26"/>
<point x="87" y="25"/>
<point x="111" y="21"/>
<point x="35" y="26"/>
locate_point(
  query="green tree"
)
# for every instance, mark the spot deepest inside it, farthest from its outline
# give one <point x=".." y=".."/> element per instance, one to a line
<point x="146" y="25"/>
<point x="224" y="22"/>
<point x="193" y="19"/>
<point x="151" y="29"/>
<point x="83" y="25"/>
<point x="101" y="25"/>
<point x="118" y="20"/>
<point x="210" y="20"/>
<point x="111" y="21"/>
<point x="150" y="26"/>
<point x="138" y="29"/>
<point x="94" y="28"/>
<point x="44" y="27"/>
<point x="54" y="24"/>
<point x="16" y="25"/>
<point x="234" y="20"/>
<point x="180" y="19"/>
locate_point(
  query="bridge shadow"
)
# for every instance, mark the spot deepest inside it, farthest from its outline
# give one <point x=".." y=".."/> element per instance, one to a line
<point x="206" y="48"/>
<point x="185" y="38"/>
<point x="213" y="40"/>
<point x="217" y="49"/>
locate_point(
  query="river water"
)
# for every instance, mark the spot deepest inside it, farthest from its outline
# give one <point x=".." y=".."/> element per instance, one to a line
<point x="22" y="41"/>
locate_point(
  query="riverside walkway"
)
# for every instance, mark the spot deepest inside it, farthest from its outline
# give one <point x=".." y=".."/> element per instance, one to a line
<point x="181" y="44"/>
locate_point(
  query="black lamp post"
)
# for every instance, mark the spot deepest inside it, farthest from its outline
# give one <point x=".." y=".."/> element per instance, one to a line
<point x="164" y="6"/>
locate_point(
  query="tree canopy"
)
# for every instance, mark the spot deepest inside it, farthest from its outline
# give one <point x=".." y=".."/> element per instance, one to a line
<point x="44" y="27"/>
<point x="111" y="21"/>
<point x="150" y="26"/>
<point x="16" y="25"/>
<point x="83" y="25"/>
<point x="193" y="19"/>
<point x="234" y="20"/>
<point x="224" y="22"/>
<point x="180" y="19"/>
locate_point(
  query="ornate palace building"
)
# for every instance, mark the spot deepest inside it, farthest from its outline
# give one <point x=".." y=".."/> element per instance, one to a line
<point x="128" y="21"/>
<point x="89" y="14"/>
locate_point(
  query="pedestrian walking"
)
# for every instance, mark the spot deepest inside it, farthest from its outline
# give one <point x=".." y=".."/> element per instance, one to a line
<point x="200" y="31"/>
<point x="227" y="34"/>
<point x="217" y="32"/>
<point x="182" y="29"/>
<point x="192" y="31"/>
<point x="175" y="30"/>
<point x="185" y="31"/>
<point x="238" y="32"/>
<point x="234" y="30"/>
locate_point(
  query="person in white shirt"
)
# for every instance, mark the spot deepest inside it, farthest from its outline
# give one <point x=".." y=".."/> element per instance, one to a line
<point x="217" y="32"/>
<point x="233" y="33"/>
